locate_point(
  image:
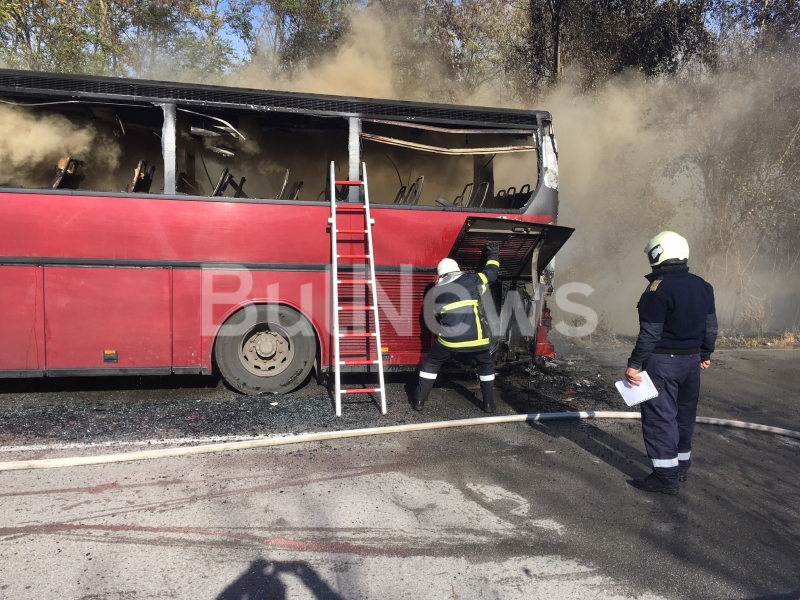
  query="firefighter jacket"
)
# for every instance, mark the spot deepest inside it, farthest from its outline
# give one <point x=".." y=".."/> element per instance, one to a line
<point x="676" y="316"/>
<point x="457" y="309"/>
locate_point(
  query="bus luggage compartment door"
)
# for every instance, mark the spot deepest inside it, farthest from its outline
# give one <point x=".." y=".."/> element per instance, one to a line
<point x="523" y="246"/>
<point x="22" y="325"/>
<point x="514" y="304"/>
<point x="110" y="319"/>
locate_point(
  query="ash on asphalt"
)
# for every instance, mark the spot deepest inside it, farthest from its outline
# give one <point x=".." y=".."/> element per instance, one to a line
<point x="57" y="410"/>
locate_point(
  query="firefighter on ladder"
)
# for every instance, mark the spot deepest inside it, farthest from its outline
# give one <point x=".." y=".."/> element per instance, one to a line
<point x="677" y="333"/>
<point x="456" y="298"/>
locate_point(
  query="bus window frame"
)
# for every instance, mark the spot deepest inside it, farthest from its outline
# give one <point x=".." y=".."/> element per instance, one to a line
<point x="354" y="125"/>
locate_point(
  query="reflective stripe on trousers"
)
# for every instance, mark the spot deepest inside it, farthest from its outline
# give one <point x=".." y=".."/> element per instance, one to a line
<point x="438" y="354"/>
<point x="668" y="420"/>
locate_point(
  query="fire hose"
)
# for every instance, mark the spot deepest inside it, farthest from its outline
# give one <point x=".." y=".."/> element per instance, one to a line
<point x="75" y="461"/>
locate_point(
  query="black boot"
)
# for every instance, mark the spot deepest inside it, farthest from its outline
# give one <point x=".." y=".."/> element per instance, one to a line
<point x="683" y="469"/>
<point x="652" y="483"/>
<point x="487" y="388"/>
<point x="424" y="387"/>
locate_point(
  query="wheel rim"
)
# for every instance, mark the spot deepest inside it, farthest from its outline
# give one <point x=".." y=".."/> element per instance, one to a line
<point x="266" y="350"/>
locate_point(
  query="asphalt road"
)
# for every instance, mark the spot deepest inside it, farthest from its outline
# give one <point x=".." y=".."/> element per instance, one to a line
<point x="501" y="511"/>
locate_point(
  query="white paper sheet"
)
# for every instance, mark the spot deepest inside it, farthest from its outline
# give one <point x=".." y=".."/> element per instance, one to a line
<point x="636" y="394"/>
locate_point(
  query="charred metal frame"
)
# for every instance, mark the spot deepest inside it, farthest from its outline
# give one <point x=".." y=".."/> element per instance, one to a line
<point x="140" y="91"/>
<point x="168" y="146"/>
<point x="171" y="96"/>
<point x="354" y="156"/>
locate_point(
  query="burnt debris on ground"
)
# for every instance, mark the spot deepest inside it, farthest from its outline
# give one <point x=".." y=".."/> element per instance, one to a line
<point x="153" y="408"/>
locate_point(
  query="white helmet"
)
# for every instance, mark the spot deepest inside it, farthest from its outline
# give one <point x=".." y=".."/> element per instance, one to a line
<point x="447" y="265"/>
<point x="667" y="246"/>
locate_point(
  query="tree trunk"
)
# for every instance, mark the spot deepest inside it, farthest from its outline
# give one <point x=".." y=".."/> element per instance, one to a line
<point x="556" y="7"/>
<point x="556" y="47"/>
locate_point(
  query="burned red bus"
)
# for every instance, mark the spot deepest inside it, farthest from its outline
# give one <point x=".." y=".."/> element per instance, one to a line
<point x="142" y="219"/>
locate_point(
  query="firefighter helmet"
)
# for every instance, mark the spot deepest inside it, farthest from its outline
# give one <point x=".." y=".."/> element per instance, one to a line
<point x="667" y="247"/>
<point x="447" y="265"/>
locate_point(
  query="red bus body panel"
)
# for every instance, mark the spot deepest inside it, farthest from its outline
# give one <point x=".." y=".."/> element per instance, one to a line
<point x="225" y="291"/>
<point x="22" y="322"/>
<point x="186" y="319"/>
<point x="149" y="274"/>
<point x="162" y="229"/>
<point x="89" y="310"/>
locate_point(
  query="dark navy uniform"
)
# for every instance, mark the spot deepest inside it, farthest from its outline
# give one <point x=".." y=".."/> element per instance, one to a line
<point x="677" y="330"/>
<point x="457" y="310"/>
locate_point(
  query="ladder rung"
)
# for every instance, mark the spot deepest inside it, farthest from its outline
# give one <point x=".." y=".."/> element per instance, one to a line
<point x="357" y="335"/>
<point x="358" y="362"/>
<point x="362" y="391"/>
<point x="352" y="256"/>
<point x="355" y="308"/>
<point x="353" y="282"/>
<point x="348" y="182"/>
<point x="349" y="207"/>
<point x="351" y="231"/>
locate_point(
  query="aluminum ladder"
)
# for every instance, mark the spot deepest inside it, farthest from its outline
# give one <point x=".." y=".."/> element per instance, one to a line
<point x="352" y="282"/>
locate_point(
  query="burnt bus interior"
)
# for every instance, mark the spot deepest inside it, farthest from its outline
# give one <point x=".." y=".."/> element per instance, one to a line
<point x="418" y="164"/>
<point x="283" y="154"/>
<point x="130" y="132"/>
<point x="273" y="156"/>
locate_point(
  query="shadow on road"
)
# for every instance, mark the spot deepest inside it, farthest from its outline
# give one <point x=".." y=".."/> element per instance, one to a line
<point x="591" y="437"/>
<point x="795" y="595"/>
<point x="599" y="443"/>
<point x="110" y="383"/>
<point x="262" y="581"/>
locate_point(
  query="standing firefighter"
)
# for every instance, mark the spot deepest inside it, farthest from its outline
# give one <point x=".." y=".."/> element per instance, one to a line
<point x="456" y="299"/>
<point x="677" y="332"/>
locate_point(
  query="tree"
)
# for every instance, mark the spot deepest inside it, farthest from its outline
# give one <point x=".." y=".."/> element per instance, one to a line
<point x="43" y="36"/>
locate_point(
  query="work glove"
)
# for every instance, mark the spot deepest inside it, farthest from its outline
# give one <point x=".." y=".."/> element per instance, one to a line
<point x="492" y="249"/>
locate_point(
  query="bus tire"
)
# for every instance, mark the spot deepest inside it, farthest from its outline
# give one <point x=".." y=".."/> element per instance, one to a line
<point x="264" y="349"/>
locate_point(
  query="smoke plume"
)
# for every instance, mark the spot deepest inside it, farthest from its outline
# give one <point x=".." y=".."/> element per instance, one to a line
<point x="32" y="144"/>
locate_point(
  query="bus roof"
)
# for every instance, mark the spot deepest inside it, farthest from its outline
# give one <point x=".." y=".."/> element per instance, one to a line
<point x="114" y="90"/>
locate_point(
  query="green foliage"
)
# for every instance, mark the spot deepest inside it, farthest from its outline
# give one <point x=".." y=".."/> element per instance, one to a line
<point x="523" y="44"/>
<point x="42" y="35"/>
<point x="115" y="37"/>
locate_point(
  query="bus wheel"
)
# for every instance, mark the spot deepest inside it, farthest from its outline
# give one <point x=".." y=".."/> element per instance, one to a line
<point x="265" y="349"/>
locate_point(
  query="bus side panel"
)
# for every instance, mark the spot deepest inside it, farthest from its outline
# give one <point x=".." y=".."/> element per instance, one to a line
<point x="225" y="291"/>
<point x="400" y="299"/>
<point x="55" y="226"/>
<point x="90" y="310"/>
<point x="405" y="336"/>
<point x="21" y="319"/>
<point x="186" y="332"/>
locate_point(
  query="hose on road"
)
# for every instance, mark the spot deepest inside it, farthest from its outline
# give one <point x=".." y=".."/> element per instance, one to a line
<point x="76" y="461"/>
